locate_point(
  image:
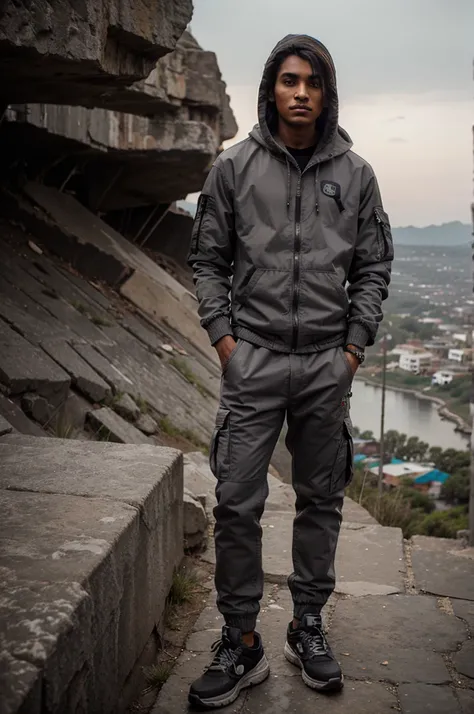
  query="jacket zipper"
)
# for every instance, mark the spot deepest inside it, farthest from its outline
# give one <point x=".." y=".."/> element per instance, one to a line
<point x="296" y="265"/>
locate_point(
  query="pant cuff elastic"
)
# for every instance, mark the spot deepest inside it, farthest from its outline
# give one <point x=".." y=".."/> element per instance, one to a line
<point x="299" y="610"/>
<point x="244" y="623"/>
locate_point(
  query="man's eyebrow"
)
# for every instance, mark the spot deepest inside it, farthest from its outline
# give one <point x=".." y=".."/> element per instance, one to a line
<point x="292" y="75"/>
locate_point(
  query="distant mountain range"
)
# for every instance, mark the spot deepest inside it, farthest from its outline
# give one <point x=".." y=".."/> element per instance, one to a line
<point x="447" y="234"/>
<point x="454" y="233"/>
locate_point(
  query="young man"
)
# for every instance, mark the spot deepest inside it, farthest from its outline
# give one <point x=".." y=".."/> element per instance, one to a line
<point x="286" y="218"/>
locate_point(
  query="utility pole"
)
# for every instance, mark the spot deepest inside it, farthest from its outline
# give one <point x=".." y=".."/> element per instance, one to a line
<point x="382" y="415"/>
<point x="471" y="497"/>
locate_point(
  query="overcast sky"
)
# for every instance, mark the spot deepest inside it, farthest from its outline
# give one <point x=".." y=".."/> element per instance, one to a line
<point x="405" y="82"/>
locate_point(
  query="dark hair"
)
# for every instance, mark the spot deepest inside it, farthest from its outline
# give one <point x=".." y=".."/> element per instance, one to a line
<point x="280" y="57"/>
<point x="290" y="51"/>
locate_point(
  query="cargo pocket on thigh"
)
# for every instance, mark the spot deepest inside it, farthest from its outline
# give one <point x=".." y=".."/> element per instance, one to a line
<point x="219" y="452"/>
<point x="343" y="470"/>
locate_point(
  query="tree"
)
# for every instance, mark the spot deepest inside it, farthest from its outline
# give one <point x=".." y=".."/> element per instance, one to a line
<point x="456" y="488"/>
<point x="409" y="324"/>
<point x="368" y="435"/>
<point x="394" y="442"/>
<point x="414" y="449"/>
<point x="452" y="461"/>
<point x="435" y="454"/>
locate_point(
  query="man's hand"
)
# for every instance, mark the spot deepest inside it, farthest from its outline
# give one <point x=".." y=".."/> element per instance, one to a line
<point x="224" y="348"/>
<point x="352" y="359"/>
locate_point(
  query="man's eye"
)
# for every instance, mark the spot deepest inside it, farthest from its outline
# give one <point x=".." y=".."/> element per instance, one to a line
<point x="288" y="82"/>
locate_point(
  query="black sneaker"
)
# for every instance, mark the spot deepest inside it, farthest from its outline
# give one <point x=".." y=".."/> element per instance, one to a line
<point x="308" y="649"/>
<point x="234" y="667"/>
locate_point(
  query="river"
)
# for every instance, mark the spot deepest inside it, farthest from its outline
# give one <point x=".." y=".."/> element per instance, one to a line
<point x="404" y="413"/>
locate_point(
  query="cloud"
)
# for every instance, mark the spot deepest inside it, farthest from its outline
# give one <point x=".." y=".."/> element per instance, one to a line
<point x="418" y="47"/>
<point x="406" y="73"/>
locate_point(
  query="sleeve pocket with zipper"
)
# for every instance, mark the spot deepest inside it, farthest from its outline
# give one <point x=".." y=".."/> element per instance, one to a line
<point x="205" y="208"/>
<point x="384" y="234"/>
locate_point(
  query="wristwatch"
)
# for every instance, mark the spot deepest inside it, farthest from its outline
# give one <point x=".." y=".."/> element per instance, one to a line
<point x="358" y="354"/>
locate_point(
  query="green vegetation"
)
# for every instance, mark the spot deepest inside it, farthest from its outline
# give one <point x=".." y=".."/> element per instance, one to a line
<point x="157" y="674"/>
<point x="95" y="319"/>
<point x="62" y="429"/>
<point x="184" y="590"/>
<point x="100" y="321"/>
<point x="403" y="380"/>
<point x="183" y="368"/>
<point x="142" y="404"/>
<point x="408" y="508"/>
<point x="419" y="330"/>
<point x="183" y="587"/>
<point x="456" y="395"/>
<point x="167" y="427"/>
<point x="399" y="446"/>
<point x="456" y="489"/>
<point x="79" y="306"/>
<point x="115" y="398"/>
<point x="445" y="524"/>
<point x="103" y="434"/>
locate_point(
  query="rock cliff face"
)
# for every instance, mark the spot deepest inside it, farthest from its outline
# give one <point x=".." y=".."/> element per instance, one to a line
<point x="154" y="153"/>
<point x="93" y="129"/>
<point x="81" y="52"/>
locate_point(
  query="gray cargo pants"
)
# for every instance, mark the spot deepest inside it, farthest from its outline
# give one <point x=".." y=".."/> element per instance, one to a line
<point x="259" y="388"/>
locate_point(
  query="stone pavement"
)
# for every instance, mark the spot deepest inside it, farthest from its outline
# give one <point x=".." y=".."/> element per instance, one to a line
<point x="400" y="623"/>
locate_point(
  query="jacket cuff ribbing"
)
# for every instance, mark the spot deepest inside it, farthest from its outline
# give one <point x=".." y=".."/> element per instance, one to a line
<point x="218" y="328"/>
<point x="358" y="335"/>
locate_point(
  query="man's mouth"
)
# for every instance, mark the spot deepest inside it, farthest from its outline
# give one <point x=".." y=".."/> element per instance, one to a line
<point x="300" y="108"/>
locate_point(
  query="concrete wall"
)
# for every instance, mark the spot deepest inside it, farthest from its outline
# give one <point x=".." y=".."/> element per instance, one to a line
<point x="90" y="534"/>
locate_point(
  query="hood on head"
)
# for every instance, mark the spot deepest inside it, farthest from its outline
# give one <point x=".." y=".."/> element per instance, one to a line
<point x="330" y="133"/>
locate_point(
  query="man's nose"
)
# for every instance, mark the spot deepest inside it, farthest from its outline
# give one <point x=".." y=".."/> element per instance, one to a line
<point x="301" y="93"/>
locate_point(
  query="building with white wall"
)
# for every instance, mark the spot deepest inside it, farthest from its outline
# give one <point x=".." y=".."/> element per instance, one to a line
<point x="442" y="378"/>
<point x="456" y="355"/>
<point x="415" y="362"/>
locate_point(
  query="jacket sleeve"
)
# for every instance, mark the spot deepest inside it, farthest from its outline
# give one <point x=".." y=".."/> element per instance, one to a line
<point x="369" y="275"/>
<point x="211" y="254"/>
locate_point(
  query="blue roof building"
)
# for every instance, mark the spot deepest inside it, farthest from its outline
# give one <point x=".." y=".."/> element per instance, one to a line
<point x="434" y="475"/>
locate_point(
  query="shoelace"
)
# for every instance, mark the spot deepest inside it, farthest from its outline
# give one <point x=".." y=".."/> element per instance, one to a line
<point x="225" y="656"/>
<point x="315" y="642"/>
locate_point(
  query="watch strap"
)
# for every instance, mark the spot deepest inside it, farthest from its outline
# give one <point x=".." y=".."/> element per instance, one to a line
<point x="358" y="354"/>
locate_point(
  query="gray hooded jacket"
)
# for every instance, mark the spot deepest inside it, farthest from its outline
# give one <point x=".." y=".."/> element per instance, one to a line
<point x="290" y="260"/>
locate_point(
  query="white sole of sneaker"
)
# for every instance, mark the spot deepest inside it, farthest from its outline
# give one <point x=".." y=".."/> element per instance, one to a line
<point x="330" y="686"/>
<point x="257" y="675"/>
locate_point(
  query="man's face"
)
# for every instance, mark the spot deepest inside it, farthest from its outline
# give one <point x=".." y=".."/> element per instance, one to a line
<point x="298" y="92"/>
